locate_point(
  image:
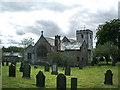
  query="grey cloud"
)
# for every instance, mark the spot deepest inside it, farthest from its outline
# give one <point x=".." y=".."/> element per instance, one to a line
<point x="20" y="32"/>
<point x="49" y="27"/>
<point x="90" y="20"/>
<point x="28" y="6"/>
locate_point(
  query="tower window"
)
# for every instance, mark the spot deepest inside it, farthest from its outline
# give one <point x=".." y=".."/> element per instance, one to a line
<point x="82" y="36"/>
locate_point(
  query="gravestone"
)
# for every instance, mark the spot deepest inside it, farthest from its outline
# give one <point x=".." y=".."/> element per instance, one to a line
<point x="12" y="70"/>
<point x="47" y="67"/>
<point x="54" y="69"/>
<point x="74" y="83"/>
<point x="2" y="63"/>
<point x="61" y="81"/>
<point x="108" y="77"/>
<point x="67" y="70"/>
<point x="26" y="70"/>
<point x="40" y="79"/>
<point x="7" y="63"/>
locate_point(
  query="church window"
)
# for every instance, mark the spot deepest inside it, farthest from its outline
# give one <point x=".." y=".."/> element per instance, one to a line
<point x="41" y="51"/>
<point x="29" y="56"/>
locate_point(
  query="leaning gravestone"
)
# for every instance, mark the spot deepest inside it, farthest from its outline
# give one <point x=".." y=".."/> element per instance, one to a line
<point x="108" y="77"/>
<point x="26" y="70"/>
<point x="12" y="70"/>
<point x="54" y="69"/>
<point x="74" y="83"/>
<point x="67" y="70"/>
<point x="61" y="81"/>
<point x="40" y="79"/>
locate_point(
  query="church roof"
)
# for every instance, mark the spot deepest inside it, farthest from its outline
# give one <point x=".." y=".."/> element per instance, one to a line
<point x="50" y="41"/>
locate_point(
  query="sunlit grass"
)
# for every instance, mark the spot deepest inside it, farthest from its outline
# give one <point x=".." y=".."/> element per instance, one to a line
<point x="88" y="77"/>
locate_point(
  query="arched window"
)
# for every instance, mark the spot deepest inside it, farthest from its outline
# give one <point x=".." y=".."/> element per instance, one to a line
<point x="41" y="51"/>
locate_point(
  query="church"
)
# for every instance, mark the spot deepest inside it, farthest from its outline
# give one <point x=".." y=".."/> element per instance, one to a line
<point x="75" y="51"/>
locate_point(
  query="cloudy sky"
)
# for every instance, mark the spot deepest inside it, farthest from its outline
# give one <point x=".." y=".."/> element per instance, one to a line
<point x="24" y="19"/>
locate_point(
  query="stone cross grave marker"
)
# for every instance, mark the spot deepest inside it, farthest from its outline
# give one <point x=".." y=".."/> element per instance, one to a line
<point x="12" y="70"/>
<point x="54" y="69"/>
<point x="73" y="83"/>
<point x="108" y="77"/>
<point x="61" y="81"/>
<point x="47" y="67"/>
<point x="40" y="79"/>
<point x="67" y="70"/>
<point x="26" y="70"/>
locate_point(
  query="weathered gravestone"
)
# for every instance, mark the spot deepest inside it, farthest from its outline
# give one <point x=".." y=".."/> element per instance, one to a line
<point x="74" y="83"/>
<point x="54" y="69"/>
<point x="12" y="70"/>
<point x="67" y="70"/>
<point x="40" y="79"/>
<point x="47" y="67"/>
<point x="7" y="63"/>
<point x="61" y="81"/>
<point x="108" y="77"/>
<point x="26" y="70"/>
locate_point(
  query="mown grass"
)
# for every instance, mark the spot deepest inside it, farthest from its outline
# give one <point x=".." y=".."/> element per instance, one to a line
<point x="88" y="77"/>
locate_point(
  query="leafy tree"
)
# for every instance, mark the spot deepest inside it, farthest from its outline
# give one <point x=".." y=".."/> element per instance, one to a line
<point x="110" y="31"/>
<point x="107" y="49"/>
<point x="27" y="41"/>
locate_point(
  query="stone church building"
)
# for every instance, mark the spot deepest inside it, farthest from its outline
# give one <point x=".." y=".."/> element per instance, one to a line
<point x="77" y="51"/>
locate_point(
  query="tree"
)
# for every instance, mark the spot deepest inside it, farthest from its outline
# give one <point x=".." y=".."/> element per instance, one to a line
<point x="27" y="41"/>
<point x="107" y="49"/>
<point x="110" y="31"/>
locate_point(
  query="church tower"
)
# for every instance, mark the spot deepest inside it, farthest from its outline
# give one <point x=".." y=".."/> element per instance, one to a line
<point x="86" y="35"/>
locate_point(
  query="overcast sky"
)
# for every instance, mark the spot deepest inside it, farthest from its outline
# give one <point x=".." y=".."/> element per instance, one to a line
<point x="24" y="19"/>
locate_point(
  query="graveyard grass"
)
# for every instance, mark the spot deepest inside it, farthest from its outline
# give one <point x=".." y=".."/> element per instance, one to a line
<point x="88" y="77"/>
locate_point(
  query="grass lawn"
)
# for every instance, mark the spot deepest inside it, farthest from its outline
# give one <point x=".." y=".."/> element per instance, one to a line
<point x="88" y="77"/>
